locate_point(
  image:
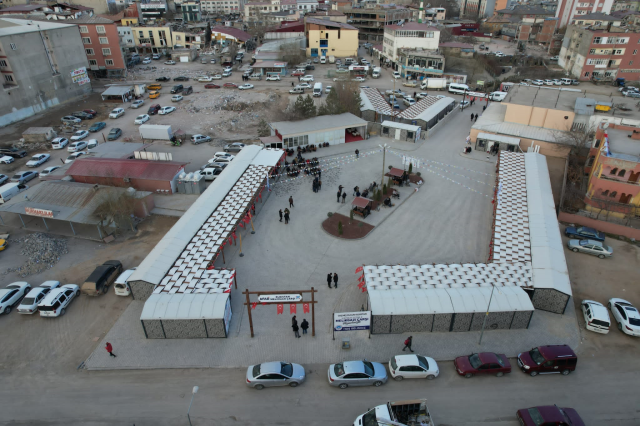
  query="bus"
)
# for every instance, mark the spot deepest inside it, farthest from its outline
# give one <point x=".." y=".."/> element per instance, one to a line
<point x="458" y="88"/>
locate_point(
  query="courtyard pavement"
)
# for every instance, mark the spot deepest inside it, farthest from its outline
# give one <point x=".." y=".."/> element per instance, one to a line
<point x="447" y="221"/>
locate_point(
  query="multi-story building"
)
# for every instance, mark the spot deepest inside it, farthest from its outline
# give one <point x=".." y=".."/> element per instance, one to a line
<point x="601" y="52"/>
<point x="51" y="11"/>
<point x="254" y="10"/>
<point x="275" y="18"/>
<point x="127" y="41"/>
<point x="568" y="9"/>
<point x="43" y="64"/>
<point x="152" y="11"/>
<point x="528" y="14"/>
<point x="411" y="35"/>
<point x="523" y="33"/>
<point x="328" y="38"/>
<point x="331" y="15"/>
<point x="420" y="64"/>
<point x="288" y="5"/>
<point x="372" y="20"/>
<point x="102" y="46"/>
<point x="152" y="39"/>
<point x="307" y="6"/>
<point x="191" y="11"/>
<point x="215" y="7"/>
<point x="631" y="5"/>
<point x="187" y="40"/>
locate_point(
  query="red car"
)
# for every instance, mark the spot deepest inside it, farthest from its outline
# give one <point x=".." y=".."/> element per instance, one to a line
<point x="549" y="415"/>
<point x="482" y="363"/>
<point x="91" y="111"/>
<point x="230" y="85"/>
<point x="211" y="86"/>
<point x="297" y="74"/>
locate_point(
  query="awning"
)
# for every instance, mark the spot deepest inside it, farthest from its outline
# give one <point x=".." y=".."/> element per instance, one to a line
<point x="361" y="202"/>
<point x="499" y="138"/>
<point x="117" y="90"/>
<point x="396" y="172"/>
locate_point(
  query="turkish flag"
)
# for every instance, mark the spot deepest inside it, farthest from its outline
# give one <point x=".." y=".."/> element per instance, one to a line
<point x="359" y="269"/>
<point x="361" y="278"/>
<point x="292" y="308"/>
<point x="360" y="285"/>
<point x="280" y="307"/>
<point x="253" y="305"/>
<point x="364" y="289"/>
<point x="305" y="308"/>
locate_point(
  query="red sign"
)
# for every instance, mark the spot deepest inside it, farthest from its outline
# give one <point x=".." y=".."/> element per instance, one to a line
<point x="292" y="308"/>
<point x="359" y="269"/>
<point x="280" y="308"/>
<point x="253" y="305"/>
<point x="305" y="308"/>
<point x="38" y="212"/>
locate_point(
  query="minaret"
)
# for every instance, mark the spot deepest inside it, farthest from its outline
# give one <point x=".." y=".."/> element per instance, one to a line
<point x="421" y="13"/>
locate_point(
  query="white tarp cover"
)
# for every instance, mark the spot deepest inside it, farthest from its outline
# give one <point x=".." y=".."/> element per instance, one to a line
<point x="397" y="125"/>
<point x="268" y="157"/>
<point x="117" y="90"/>
<point x="182" y="306"/>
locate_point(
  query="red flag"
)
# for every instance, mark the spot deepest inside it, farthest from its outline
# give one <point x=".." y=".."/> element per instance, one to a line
<point x="228" y="290"/>
<point x="292" y="308"/>
<point x="253" y="305"/>
<point x="364" y="289"/>
<point x="305" y="308"/>
<point x="360" y="285"/>
<point x="280" y="308"/>
<point x="359" y="269"/>
<point x="264" y="303"/>
<point x="361" y="278"/>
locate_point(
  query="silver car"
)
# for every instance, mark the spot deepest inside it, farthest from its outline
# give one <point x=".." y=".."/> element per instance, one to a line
<point x="269" y="374"/>
<point x="236" y="146"/>
<point x="593" y="247"/>
<point x="357" y="373"/>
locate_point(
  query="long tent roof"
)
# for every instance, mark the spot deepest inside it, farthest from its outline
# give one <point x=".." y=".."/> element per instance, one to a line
<point x="184" y="306"/>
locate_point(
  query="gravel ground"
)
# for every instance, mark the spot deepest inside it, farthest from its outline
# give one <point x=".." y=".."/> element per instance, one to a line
<point x="43" y="253"/>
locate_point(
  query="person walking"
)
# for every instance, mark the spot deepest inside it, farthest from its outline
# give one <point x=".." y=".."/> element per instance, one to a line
<point x="290" y="201"/>
<point x="286" y="216"/>
<point x="335" y="280"/>
<point x="344" y="197"/>
<point x="296" y="328"/>
<point x="340" y="189"/>
<point x="475" y="119"/>
<point x="319" y="184"/>
<point x="407" y="343"/>
<point x="109" y="349"/>
<point x="315" y="186"/>
<point x="357" y="154"/>
<point x="484" y="107"/>
<point x="472" y="115"/>
<point x="355" y="189"/>
<point x="338" y="195"/>
<point x="329" y="278"/>
<point x="292" y="84"/>
<point x="280" y="212"/>
<point x="304" y="326"/>
<point x="294" y="321"/>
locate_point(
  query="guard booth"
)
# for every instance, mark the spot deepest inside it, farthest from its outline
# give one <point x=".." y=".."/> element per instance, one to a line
<point x="400" y="131"/>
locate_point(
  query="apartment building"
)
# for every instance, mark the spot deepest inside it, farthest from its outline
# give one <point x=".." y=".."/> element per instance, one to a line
<point x="411" y="35"/>
<point x="102" y="46"/>
<point x="152" y="11"/>
<point x="328" y="38"/>
<point x="253" y="10"/>
<point x="568" y="9"/>
<point x="372" y="20"/>
<point x="226" y="7"/>
<point x="191" y="11"/>
<point x="420" y="64"/>
<point x="127" y="41"/>
<point x="152" y="39"/>
<point x="43" y="64"/>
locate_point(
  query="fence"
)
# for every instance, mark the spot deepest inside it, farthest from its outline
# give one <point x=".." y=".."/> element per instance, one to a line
<point x="606" y="227"/>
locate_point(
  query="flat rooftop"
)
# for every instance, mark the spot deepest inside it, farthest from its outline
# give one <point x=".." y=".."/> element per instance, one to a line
<point x="622" y="146"/>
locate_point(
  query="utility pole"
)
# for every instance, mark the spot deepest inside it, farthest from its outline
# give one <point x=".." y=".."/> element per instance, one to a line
<point x="486" y="315"/>
<point x="384" y="154"/>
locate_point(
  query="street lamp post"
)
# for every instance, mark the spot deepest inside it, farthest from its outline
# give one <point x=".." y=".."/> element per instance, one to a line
<point x="384" y="153"/>
<point x="486" y="315"/>
<point x="193" y="393"/>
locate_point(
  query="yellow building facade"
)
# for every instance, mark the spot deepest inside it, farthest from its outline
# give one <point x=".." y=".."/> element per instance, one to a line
<point x="327" y="38"/>
<point x="152" y="39"/>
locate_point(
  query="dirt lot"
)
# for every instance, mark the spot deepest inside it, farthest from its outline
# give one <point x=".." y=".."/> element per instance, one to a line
<point x="61" y="344"/>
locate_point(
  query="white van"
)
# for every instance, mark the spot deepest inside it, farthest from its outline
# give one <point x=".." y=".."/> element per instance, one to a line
<point x="497" y="96"/>
<point x="211" y="173"/>
<point x="332" y="59"/>
<point x="376" y="72"/>
<point x="457" y="88"/>
<point x="317" y="90"/>
<point x="596" y="316"/>
<point x="323" y="59"/>
<point x="10" y="190"/>
<point x="121" y="284"/>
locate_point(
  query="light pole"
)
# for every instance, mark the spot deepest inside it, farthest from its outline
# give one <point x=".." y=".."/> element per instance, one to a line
<point x="193" y="393"/>
<point x="487" y="314"/>
<point x="384" y="154"/>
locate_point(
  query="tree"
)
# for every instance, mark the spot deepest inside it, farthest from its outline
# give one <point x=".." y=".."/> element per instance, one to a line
<point x="292" y="53"/>
<point x="580" y="140"/>
<point x="115" y="207"/>
<point x="446" y="35"/>
<point x="263" y="128"/>
<point x="339" y="227"/>
<point x="343" y="97"/>
<point x="305" y="106"/>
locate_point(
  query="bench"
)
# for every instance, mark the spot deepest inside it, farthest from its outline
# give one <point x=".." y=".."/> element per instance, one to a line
<point x="358" y="212"/>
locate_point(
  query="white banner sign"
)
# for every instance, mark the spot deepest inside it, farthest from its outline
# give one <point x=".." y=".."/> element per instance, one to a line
<point x="345" y="321"/>
<point x="279" y="298"/>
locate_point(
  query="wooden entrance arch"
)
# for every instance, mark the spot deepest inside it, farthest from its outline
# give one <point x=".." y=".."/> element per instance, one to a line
<point x="312" y="302"/>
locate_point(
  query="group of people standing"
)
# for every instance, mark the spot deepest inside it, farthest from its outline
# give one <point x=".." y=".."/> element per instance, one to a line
<point x="332" y="277"/>
<point x="304" y="326"/>
<point x="317" y="183"/>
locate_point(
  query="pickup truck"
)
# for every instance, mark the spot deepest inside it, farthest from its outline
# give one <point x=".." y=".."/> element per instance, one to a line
<point x="296" y="91"/>
<point x="400" y="413"/>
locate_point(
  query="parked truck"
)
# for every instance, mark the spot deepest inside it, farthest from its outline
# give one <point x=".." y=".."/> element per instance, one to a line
<point x="401" y="413"/>
<point x="10" y="190"/>
<point x="497" y="96"/>
<point x="332" y="59"/>
<point x="434" y="83"/>
<point x="375" y="73"/>
<point x="156" y="132"/>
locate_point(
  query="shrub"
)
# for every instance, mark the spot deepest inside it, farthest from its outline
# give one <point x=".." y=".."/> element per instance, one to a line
<point x="340" y="228"/>
<point x="351" y="214"/>
<point x="410" y="167"/>
<point x="329" y="214"/>
<point x="390" y="167"/>
<point x="418" y="174"/>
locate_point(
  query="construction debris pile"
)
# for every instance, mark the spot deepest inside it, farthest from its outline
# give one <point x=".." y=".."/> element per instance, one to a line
<point x="42" y="252"/>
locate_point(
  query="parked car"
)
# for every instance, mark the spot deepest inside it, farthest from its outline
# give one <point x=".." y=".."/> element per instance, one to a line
<point x="227" y="69"/>
<point x="396" y="75"/>
<point x="626" y="315"/>
<point x="114" y="134"/>
<point x="116" y="113"/>
<point x="3" y="179"/>
<point x="273" y="77"/>
<point x="166" y="110"/>
<point x="38" y="160"/>
<point x="79" y="135"/>
<point x="154" y="94"/>
<point x="5" y="159"/>
<point x="23" y="177"/>
<point x="170" y="63"/>
<point x="211" y="86"/>
<point x="226" y="74"/>
<point x="198" y="139"/>
<point x="121" y="284"/>
<point x="482" y="363"/>
<point x="360" y="79"/>
<point x="304" y="86"/>
<point x="177" y="88"/>
<point x="74" y="156"/>
<point x="163" y="79"/>
<point x="270" y="374"/>
<point x="245" y="87"/>
<point x="216" y="77"/>
<point x="584" y="233"/>
<point x="96" y="127"/>
<point x="537" y="82"/>
<point x="57" y="301"/>
<point x="557" y="82"/>
<point x="549" y="415"/>
<point x="230" y="85"/>
<point x="70" y="119"/>
<point x="548" y="360"/>
<point x="49" y="170"/>
<point x="153" y="109"/>
<point x="210" y="172"/>
<point x="592" y="247"/>
<point x="92" y="112"/>
<point x="13" y="152"/>
<point x="101" y="278"/>
<point x="357" y="373"/>
<point x="83" y="115"/>
<point x="137" y="103"/>
<point x="463" y="104"/>
<point x="296" y="91"/>
<point x="596" y="316"/>
<point x="176" y="98"/>
<point x="181" y="78"/>
<point x="141" y="119"/>
<point x="155" y="56"/>
<point x="306" y="78"/>
<point x="59" y="143"/>
<point x="297" y="73"/>
<point x="236" y="146"/>
<point x="413" y="367"/>
<point x="77" y="146"/>
<point x="146" y="61"/>
<point x="92" y="143"/>
<point x="154" y="87"/>
<point x="12" y="294"/>
<point x="225" y="155"/>
<point x="29" y="304"/>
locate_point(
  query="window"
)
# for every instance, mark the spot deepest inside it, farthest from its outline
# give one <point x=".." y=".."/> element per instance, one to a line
<point x="104" y="40"/>
<point x="106" y="52"/>
<point x="586" y="74"/>
<point x="13" y="46"/>
<point x="8" y="78"/>
<point x="590" y="161"/>
<point x="84" y="29"/>
<point x="108" y="62"/>
<point x="86" y="40"/>
<point x="89" y="52"/>
<point x="622" y="172"/>
<point x="618" y="52"/>
<point x="613" y="194"/>
<point x="605" y="192"/>
<point x="592" y="51"/>
<point x="93" y="62"/>
<point x="630" y="62"/>
<point x="614" y="171"/>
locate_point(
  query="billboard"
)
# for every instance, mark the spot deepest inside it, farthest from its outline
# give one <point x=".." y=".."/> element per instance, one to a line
<point x="347" y="321"/>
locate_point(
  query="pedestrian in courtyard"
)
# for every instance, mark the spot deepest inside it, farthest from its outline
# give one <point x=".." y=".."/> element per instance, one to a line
<point x="329" y="278"/>
<point x="304" y="326"/>
<point x="484" y="107"/>
<point x="339" y="194"/>
<point x="472" y="115"/>
<point x="357" y="154"/>
<point x="290" y="201"/>
<point x="294" y="321"/>
<point x="340" y="189"/>
<point x="335" y="280"/>
<point x="414" y="95"/>
<point x="319" y="184"/>
<point x="292" y="84"/>
<point x="355" y="189"/>
<point x="475" y="119"/>
<point x="286" y="216"/>
<point x="280" y="212"/>
<point x="344" y="197"/>
<point x="296" y="328"/>
<point x="407" y="343"/>
<point x="319" y="174"/>
<point x="109" y="349"/>
<point x="315" y="186"/>
<point x="357" y="193"/>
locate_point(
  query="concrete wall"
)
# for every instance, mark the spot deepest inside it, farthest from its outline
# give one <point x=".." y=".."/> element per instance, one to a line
<point x="37" y="88"/>
<point x="539" y="117"/>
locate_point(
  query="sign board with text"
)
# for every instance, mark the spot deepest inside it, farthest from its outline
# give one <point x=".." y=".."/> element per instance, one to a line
<point x="346" y="321"/>
<point x="38" y="212"/>
<point x="279" y="298"/>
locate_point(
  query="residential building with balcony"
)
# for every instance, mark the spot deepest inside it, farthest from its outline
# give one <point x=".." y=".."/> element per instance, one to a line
<point x="127" y="41"/>
<point x="43" y="64"/>
<point x="372" y="20"/>
<point x="307" y="6"/>
<point x="601" y="53"/>
<point x="630" y="5"/>
<point x="185" y="40"/>
<point x="191" y="11"/>
<point x="420" y="64"/>
<point x="569" y="9"/>
<point x="411" y="35"/>
<point x="288" y="5"/>
<point x="101" y="42"/>
<point x="253" y="11"/>
<point x="331" y="15"/>
<point x="152" y="39"/>
<point x="152" y="11"/>
<point x="215" y="7"/>
<point x="328" y="38"/>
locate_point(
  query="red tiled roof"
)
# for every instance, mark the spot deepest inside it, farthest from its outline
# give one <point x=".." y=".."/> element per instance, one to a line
<point x="413" y="26"/>
<point x="234" y="32"/>
<point x="125" y="168"/>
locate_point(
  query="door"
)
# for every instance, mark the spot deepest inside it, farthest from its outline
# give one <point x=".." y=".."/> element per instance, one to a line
<point x="398" y="131"/>
<point x="548" y="367"/>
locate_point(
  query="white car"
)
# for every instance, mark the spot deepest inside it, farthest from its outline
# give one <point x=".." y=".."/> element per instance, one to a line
<point x="11" y="295"/>
<point x="73" y="156"/>
<point x="246" y="86"/>
<point x="198" y="139"/>
<point x="5" y="159"/>
<point x="116" y="113"/>
<point x="166" y="110"/>
<point x="70" y="119"/>
<point x="626" y="315"/>
<point x="29" y="304"/>
<point x="327" y="89"/>
<point x="59" y="143"/>
<point x="176" y="98"/>
<point x="554" y="58"/>
<point x="306" y="78"/>
<point x="500" y="54"/>
<point x="396" y="75"/>
<point x="227" y="69"/>
<point x="146" y="61"/>
<point x="77" y="146"/>
<point x="121" y="284"/>
<point x="38" y="159"/>
<point x="137" y="104"/>
<point x="170" y="63"/>
<point x="46" y="172"/>
<point x="304" y="86"/>
<point x="205" y="79"/>
<point x="92" y="143"/>
<point x="226" y="74"/>
<point x="463" y="104"/>
<point x="537" y="82"/>
<point x="56" y="302"/>
<point x="557" y="82"/>
<point x="359" y="79"/>
<point x="413" y="367"/>
<point x="236" y="146"/>
<point x="422" y="95"/>
<point x="141" y="119"/>
<point x="216" y="77"/>
<point x="79" y="135"/>
<point x="3" y="179"/>
<point x="596" y="316"/>
<point x="522" y="83"/>
<point x="224" y="155"/>
<point x="548" y="82"/>
<point x="273" y="78"/>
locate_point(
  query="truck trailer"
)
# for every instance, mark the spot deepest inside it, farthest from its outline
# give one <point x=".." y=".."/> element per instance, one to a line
<point x="156" y="132"/>
<point x="434" y="83"/>
<point x="401" y="413"/>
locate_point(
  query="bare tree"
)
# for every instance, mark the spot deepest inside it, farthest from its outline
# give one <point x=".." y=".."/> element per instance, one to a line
<point x="580" y="140"/>
<point x="292" y="53"/>
<point x="115" y="207"/>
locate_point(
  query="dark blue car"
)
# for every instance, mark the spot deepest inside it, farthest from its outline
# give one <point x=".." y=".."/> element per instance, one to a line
<point x="583" y="232"/>
<point x="98" y="126"/>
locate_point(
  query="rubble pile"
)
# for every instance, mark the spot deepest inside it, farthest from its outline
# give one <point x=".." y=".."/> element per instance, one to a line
<point x="42" y="252"/>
